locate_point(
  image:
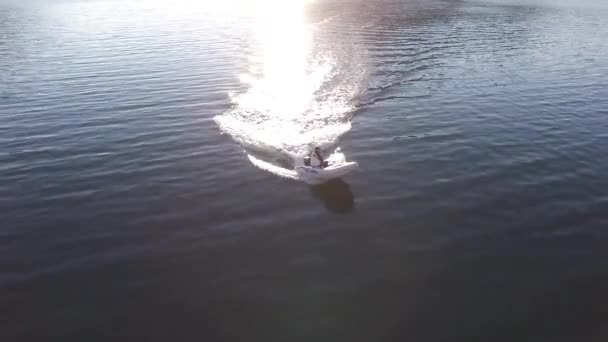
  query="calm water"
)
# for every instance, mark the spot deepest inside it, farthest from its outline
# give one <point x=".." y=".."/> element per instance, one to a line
<point x="145" y="191"/>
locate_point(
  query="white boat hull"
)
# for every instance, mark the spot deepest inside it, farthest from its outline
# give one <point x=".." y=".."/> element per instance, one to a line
<point x="316" y="175"/>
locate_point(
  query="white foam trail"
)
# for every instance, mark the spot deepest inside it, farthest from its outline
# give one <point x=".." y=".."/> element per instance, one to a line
<point x="277" y="170"/>
<point x="298" y="95"/>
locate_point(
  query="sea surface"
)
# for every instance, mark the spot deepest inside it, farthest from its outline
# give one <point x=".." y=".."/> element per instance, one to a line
<point x="147" y="190"/>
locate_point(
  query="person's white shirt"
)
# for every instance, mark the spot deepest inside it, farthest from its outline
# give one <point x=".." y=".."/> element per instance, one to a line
<point x="315" y="161"/>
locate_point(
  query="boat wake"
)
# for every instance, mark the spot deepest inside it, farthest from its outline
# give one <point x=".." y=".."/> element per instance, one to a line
<point x="299" y="94"/>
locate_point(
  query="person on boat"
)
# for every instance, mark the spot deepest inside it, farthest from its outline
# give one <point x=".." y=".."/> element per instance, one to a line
<point x="316" y="159"/>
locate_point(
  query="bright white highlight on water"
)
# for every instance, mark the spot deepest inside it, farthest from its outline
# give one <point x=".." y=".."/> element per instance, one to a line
<point x="297" y="97"/>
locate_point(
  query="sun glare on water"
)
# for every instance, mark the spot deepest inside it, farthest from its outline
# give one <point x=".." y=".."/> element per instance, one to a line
<point x="281" y="74"/>
<point x="282" y="71"/>
<point x="291" y="101"/>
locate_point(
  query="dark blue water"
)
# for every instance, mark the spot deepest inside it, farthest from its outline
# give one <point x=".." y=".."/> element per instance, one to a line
<point x="129" y="212"/>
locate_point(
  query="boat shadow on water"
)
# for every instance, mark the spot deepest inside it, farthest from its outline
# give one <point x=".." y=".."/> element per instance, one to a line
<point x="335" y="195"/>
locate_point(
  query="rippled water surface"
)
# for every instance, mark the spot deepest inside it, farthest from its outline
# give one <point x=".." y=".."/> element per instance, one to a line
<point x="146" y="189"/>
